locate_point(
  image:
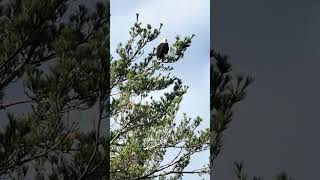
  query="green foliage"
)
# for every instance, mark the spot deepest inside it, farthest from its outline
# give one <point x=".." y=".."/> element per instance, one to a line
<point x="60" y="58"/>
<point x="146" y="128"/>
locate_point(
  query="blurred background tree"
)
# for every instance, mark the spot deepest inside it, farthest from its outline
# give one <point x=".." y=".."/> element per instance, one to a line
<point x="226" y="91"/>
<point x="55" y="56"/>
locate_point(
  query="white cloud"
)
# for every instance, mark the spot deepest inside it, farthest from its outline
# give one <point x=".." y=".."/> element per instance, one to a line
<point x="180" y="14"/>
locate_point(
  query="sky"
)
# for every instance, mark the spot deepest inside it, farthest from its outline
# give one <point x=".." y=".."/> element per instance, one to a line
<point x="184" y="18"/>
<point x="277" y="126"/>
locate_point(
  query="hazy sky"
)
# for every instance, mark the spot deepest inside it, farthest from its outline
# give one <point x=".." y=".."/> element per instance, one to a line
<point x="276" y="126"/>
<point x="180" y="17"/>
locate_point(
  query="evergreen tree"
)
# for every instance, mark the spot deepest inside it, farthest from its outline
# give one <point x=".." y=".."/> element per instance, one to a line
<point x="226" y="91"/>
<point x="145" y="128"/>
<point x="58" y="53"/>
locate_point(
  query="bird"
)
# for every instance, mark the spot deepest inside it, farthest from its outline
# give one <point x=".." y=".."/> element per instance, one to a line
<point x="162" y="49"/>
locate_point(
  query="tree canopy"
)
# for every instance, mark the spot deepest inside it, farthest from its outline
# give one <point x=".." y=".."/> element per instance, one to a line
<point x="226" y="91"/>
<point x="145" y="99"/>
<point x="56" y="52"/>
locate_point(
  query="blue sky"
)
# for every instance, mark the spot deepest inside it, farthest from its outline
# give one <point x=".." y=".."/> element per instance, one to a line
<point x="184" y="18"/>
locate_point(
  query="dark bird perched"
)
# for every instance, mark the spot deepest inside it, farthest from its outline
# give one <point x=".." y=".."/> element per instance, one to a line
<point x="162" y="49"/>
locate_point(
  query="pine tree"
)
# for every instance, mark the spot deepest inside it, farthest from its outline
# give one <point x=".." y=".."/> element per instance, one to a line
<point x="226" y="92"/>
<point x="145" y="127"/>
<point x="57" y="53"/>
